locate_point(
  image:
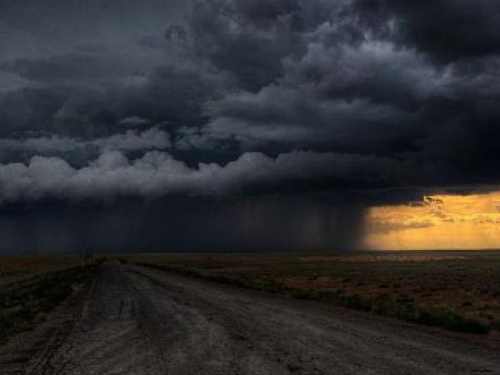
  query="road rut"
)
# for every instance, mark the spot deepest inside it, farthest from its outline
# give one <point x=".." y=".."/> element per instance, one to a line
<point x="138" y="320"/>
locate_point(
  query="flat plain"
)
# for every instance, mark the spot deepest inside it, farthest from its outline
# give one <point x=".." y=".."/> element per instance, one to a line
<point x="16" y="269"/>
<point x="265" y="314"/>
<point x="459" y="290"/>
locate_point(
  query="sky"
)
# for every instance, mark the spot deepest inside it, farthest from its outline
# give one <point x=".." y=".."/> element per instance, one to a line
<point x="205" y="125"/>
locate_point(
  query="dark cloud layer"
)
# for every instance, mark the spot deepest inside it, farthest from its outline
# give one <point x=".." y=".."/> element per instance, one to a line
<point x="248" y="95"/>
<point x="448" y="30"/>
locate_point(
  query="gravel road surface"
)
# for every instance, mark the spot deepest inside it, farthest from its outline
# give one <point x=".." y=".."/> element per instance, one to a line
<point x="137" y="320"/>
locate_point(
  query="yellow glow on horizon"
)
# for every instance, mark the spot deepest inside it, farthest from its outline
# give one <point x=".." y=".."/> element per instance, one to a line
<point x="438" y="222"/>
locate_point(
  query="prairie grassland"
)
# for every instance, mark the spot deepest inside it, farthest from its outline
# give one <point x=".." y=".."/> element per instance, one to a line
<point x="456" y="290"/>
<point x="32" y="287"/>
<point x="15" y="269"/>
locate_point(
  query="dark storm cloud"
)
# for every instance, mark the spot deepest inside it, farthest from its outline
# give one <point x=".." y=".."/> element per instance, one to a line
<point x="79" y="150"/>
<point x="446" y="29"/>
<point x="170" y="95"/>
<point x="323" y="93"/>
<point x="374" y="79"/>
<point x="156" y="174"/>
<point x="72" y="67"/>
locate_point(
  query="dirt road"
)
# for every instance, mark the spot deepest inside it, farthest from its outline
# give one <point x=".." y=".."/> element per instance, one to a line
<point x="142" y="321"/>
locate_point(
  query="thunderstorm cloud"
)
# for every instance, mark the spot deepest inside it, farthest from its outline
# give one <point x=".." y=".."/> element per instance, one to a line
<point x="209" y="97"/>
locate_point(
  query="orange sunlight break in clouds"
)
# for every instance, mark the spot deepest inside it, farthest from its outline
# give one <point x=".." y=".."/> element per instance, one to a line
<point x="438" y="222"/>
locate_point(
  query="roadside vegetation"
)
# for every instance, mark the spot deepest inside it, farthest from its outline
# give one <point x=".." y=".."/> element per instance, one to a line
<point x="31" y="287"/>
<point x="459" y="291"/>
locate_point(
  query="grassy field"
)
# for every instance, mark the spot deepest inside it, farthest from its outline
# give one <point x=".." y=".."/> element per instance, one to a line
<point x="456" y="290"/>
<point x="14" y="269"/>
<point x="32" y="287"/>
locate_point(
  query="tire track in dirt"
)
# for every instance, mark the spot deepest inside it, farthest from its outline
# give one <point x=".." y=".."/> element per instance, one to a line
<point x="138" y="320"/>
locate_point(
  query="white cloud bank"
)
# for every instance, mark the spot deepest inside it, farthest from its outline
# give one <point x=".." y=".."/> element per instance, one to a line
<point x="158" y="173"/>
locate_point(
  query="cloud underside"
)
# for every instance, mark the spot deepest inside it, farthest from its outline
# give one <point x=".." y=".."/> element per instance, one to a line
<point x="157" y="173"/>
<point x="250" y="94"/>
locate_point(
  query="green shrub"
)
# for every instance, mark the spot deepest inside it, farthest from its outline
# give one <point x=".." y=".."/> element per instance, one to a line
<point x="453" y="321"/>
<point x="495" y="325"/>
<point x="6" y="326"/>
<point x="356" y="301"/>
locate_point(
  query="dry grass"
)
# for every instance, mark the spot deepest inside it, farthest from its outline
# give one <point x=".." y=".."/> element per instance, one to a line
<point x="32" y="287"/>
<point x="14" y="269"/>
<point x="458" y="290"/>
